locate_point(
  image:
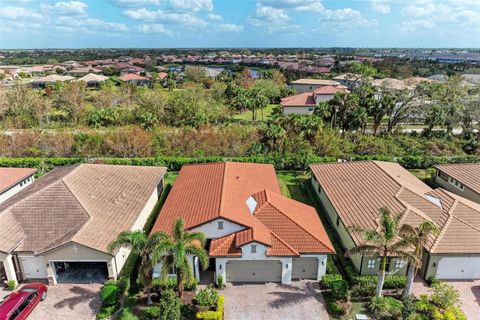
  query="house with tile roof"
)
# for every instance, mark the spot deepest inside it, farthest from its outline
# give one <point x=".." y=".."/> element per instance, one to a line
<point x="254" y="233"/>
<point x="13" y="180"/>
<point x="352" y="192"/>
<point x="59" y="227"/>
<point x="135" y="79"/>
<point x="308" y="85"/>
<point x="304" y="103"/>
<point x="462" y="179"/>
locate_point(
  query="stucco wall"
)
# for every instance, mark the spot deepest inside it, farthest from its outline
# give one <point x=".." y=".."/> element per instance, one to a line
<point x="323" y="97"/>
<point x="211" y="230"/>
<point x="297" y="110"/>
<point x="466" y="193"/>
<point x="300" y="88"/>
<point x="16" y="188"/>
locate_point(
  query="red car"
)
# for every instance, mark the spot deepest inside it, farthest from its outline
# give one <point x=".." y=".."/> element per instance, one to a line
<point x="19" y="304"/>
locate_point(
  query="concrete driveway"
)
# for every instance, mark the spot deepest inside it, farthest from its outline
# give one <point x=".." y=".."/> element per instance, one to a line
<point x="69" y="302"/>
<point x="300" y="301"/>
<point x="469" y="291"/>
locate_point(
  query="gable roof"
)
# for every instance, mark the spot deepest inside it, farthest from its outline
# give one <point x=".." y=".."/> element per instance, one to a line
<point x="132" y="76"/>
<point x="305" y="99"/>
<point x="89" y="204"/>
<point x="205" y="192"/>
<point x="329" y="90"/>
<point x="357" y="190"/>
<point x="92" y="77"/>
<point x="321" y="82"/>
<point x="11" y="176"/>
<point x="466" y="173"/>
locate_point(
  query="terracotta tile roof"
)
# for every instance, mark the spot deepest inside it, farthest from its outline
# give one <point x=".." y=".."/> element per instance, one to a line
<point x="89" y="204"/>
<point x="205" y="192"/>
<point x="358" y="189"/>
<point x="328" y="90"/>
<point x="132" y="76"/>
<point x="322" y="82"/>
<point x="11" y="176"/>
<point x="466" y="173"/>
<point x="305" y="99"/>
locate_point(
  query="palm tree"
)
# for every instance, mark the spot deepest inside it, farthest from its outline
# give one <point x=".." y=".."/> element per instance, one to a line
<point x="418" y="236"/>
<point x="143" y="246"/>
<point x="174" y="249"/>
<point x="383" y="242"/>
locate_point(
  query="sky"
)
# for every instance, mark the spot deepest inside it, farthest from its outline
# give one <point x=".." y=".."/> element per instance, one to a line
<point x="239" y="23"/>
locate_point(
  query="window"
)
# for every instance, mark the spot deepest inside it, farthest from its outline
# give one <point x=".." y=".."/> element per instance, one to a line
<point x="398" y="264"/>
<point x="387" y="266"/>
<point x="443" y="175"/>
<point x="338" y="221"/>
<point x="253" y="248"/>
<point x="310" y="109"/>
<point x="220" y="225"/>
<point x="371" y="264"/>
<point x="455" y="183"/>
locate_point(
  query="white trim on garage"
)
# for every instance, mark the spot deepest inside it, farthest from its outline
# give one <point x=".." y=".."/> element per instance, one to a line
<point x="459" y="268"/>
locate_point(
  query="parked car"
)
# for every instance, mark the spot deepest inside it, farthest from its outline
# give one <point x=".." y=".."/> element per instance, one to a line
<point x="19" y="304"/>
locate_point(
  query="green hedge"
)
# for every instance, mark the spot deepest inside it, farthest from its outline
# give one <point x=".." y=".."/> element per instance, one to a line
<point x="281" y="162"/>
<point x="213" y="315"/>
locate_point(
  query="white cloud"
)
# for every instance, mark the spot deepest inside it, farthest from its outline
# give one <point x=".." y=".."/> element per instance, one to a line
<point x="184" y="19"/>
<point x="65" y="8"/>
<point x="154" y="28"/>
<point x="380" y="6"/>
<point x="297" y="5"/>
<point x="134" y="3"/>
<point x="410" y="26"/>
<point x="274" y="19"/>
<point x="14" y="13"/>
<point x="215" y="17"/>
<point x="192" y="5"/>
<point x="89" y="25"/>
<point x="227" y="27"/>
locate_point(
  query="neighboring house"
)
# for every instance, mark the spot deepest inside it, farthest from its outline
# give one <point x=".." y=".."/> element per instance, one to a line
<point x="304" y="103"/>
<point x="13" y="180"/>
<point x="83" y="71"/>
<point x="93" y="80"/>
<point x="349" y="80"/>
<point x="462" y="179"/>
<point x="59" y="227"/>
<point x="254" y="233"/>
<point x="45" y="81"/>
<point x="352" y="192"/>
<point x="135" y="79"/>
<point x="308" y="85"/>
<point x="11" y="70"/>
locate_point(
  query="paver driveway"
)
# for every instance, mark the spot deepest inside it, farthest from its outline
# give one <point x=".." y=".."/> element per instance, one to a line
<point x="469" y="291"/>
<point x="300" y="301"/>
<point x="69" y="302"/>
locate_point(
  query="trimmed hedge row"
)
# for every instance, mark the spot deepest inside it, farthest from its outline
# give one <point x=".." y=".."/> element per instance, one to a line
<point x="214" y="315"/>
<point x="281" y="162"/>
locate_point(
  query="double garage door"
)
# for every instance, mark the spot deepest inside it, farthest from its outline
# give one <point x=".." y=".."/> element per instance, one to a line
<point x="254" y="271"/>
<point x="459" y="268"/>
<point x="269" y="270"/>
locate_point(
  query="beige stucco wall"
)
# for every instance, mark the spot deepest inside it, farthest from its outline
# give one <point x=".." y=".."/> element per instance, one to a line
<point x="297" y="110"/>
<point x="300" y="88"/>
<point x="466" y="193"/>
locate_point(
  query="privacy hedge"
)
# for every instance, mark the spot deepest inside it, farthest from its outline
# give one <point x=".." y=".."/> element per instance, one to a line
<point x="281" y="162"/>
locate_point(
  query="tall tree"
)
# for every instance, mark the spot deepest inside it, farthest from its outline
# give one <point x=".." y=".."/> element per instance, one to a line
<point x="173" y="250"/>
<point x="418" y="237"/>
<point x="383" y="242"/>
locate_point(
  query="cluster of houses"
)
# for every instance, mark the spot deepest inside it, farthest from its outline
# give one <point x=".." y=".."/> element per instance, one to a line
<point x="58" y="227"/>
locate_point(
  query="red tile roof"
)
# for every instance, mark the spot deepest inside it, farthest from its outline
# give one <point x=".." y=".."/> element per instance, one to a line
<point x="466" y="173"/>
<point x="11" y="176"/>
<point x="205" y="192"/>
<point x="328" y="90"/>
<point x="305" y="99"/>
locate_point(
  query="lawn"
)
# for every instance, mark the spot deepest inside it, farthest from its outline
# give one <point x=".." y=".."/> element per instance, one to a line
<point x="247" y="115"/>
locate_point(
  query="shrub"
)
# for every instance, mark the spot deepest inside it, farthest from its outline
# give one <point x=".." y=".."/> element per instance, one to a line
<point x="169" y="306"/>
<point x="188" y="312"/>
<point x="220" y="283"/>
<point x="328" y="279"/>
<point x="360" y="291"/>
<point x="409" y="307"/>
<point x="431" y="281"/>
<point x="105" y="312"/>
<point x="207" y="297"/>
<point x="339" y="290"/>
<point x="214" y="315"/>
<point x="110" y="293"/>
<point x="152" y="312"/>
<point x="386" y="308"/>
<point x="335" y="308"/>
<point x="444" y="295"/>
<point x="11" y="285"/>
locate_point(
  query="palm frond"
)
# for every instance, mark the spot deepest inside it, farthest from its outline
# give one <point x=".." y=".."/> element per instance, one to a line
<point x="130" y="239"/>
<point x="201" y="253"/>
<point x="179" y="229"/>
<point x="364" y="249"/>
<point x="198" y="236"/>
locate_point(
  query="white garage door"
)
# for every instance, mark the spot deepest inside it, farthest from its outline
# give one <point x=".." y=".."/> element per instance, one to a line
<point x="305" y="268"/>
<point x="33" y="267"/>
<point x="459" y="268"/>
<point x="254" y="271"/>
